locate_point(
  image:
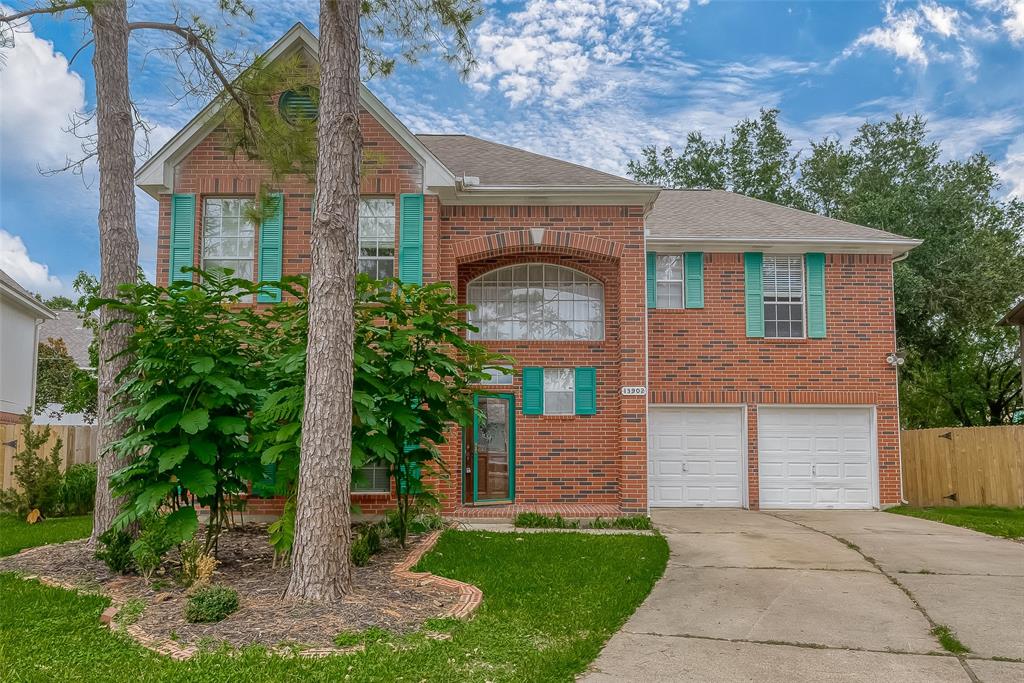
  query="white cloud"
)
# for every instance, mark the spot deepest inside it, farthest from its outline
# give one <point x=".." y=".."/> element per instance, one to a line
<point x="32" y="275"/>
<point x="1012" y="168"/>
<point x="943" y="20"/>
<point x="40" y="95"/>
<point x="898" y="34"/>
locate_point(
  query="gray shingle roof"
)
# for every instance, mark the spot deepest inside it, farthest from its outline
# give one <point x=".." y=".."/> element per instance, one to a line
<point x="720" y="214"/>
<point x="503" y="166"/>
<point x="68" y="326"/>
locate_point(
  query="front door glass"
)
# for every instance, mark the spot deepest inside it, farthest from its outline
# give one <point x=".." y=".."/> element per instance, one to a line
<point x="490" y="466"/>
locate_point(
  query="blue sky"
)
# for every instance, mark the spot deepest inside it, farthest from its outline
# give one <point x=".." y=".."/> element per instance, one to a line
<point x="591" y="81"/>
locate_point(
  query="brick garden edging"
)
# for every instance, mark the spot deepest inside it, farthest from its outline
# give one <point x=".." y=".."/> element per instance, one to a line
<point x="470" y="598"/>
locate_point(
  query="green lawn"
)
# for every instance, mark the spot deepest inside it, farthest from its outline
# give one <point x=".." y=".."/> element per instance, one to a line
<point x="16" y="534"/>
<point x="1005" y="522"/>
<point x="550" y="603"/>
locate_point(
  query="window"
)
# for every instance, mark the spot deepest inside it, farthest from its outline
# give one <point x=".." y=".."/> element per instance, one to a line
<point x="536" y="301"/>
<point x="377" y="237"/>
<point x="559" y="391"/>
<point x="229" y="236"/>
<point x="371" y="479"/>
<point x="669" y="281"/>
<point x="783" y="296"/>
<point x="498" y="377"/>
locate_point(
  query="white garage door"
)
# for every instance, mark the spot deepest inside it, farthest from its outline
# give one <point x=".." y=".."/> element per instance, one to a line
<point x="816" y="457"/>
<point x="695" y="457"/>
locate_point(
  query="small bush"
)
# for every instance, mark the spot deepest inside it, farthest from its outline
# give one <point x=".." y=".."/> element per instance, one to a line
<point x="373" y="541"/>
<point x="210" y="604"/>
<point x="115" y="550"/>
<point x="78" y="490"/>
<point x="153" y="543"/>
<point x="39" y="477"/>
<point x="532" y="520"/>
<point x="360" y="551"/>
<point x="196" y="566"/>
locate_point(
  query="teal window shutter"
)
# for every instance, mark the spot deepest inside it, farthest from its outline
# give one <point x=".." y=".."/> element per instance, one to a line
<point x="586" y="391"/>
<point x="410" y="474"/>
<point x="410" y="243"/>
<point x="753" y="263"/>
<point x="693" y="272"/>
<point x="271" y="246"/>
<point x="183" y="236"/>
<point x="533" y="391"/>
<point x="652" y="284"/>
<point x="815" y="266"/>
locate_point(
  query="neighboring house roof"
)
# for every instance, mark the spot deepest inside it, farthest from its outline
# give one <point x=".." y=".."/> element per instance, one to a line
<point x="1015" y="316"/>
<point x="499" y="165"/>
<point x="77" y="337"/>
<point x="9" y="288"/>
<point x="721" y="216"/>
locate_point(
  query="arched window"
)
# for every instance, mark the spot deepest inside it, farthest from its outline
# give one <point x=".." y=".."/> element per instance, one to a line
<point x="536" y="301"/>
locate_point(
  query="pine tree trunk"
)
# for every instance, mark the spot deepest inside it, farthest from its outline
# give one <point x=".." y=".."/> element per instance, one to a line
<point x="321" y="569"/>
<point x="119" y="245"/>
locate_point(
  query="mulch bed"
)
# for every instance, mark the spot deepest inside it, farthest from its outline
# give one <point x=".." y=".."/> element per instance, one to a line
<point x="379" y="598"/>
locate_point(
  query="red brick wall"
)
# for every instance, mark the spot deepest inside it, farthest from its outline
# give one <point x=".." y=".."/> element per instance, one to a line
<point x="704" y="356"/>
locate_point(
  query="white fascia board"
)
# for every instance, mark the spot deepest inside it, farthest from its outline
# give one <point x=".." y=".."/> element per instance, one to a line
<point x="36" y="308"/>
<point x="641" y="195"/>
<point x="782" y="245"/>
<point x="156" y="175"/>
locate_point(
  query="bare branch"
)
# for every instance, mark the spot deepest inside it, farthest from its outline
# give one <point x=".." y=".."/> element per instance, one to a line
<point x="79" y="51"/>
<point x="55" y="8"/>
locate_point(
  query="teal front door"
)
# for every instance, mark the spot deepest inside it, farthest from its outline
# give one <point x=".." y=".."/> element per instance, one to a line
<point x="490" y="454"/>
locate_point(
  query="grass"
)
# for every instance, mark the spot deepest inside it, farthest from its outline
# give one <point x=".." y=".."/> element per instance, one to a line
<point x="16" y="534"/>
<point x="533" y="520"/>
<point x="550" y="603"/>
<point x="995" y="521"/>
<point x="949" y="642"/>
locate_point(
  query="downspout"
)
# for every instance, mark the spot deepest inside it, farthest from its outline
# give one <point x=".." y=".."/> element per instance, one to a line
<point x="899" y="430"/>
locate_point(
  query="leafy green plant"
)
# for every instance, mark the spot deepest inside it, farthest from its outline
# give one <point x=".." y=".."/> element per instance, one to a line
<point x="130" y="612"/>
<point x="154" y="541"/>
<point x="197" y="566"/>
<point x="360" y="551"/>
<point x="632" y="522"/>
<point x="533" y="520"/>
<point x="115" y="550"/>
<point x="39" y="477"/>
<point x="78" y="489"/>
<point x="210" y="604"/>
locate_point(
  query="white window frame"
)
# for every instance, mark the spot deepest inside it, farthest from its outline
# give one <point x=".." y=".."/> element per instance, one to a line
<point x="515" y="303"/>
<point x="571" y="391"/>
<point x="204" y="248"/>
<point x="788" y="299"/>
<point x="375" y="242"/>
<point x="658" y="281"/>
<point x="370" y="481"/>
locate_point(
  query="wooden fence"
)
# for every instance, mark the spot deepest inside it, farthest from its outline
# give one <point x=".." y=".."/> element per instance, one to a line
<point x="79" y="445"/>
<point x="964" y="466"/>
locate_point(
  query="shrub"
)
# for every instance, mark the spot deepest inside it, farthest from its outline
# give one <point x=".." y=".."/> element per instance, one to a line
<point x="39" y="477"/>
<point x="197" y="567"/>
<point x="210" y="604"/>
<point x="115" y="550"/>
<point x="78" y="490"/>
<point x="532" y="520"/>
<point x="360" y="551"/>
<point x="153" y="543"/>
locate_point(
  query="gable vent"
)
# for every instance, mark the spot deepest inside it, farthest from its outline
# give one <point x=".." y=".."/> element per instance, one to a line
<point x="299" y="105"/>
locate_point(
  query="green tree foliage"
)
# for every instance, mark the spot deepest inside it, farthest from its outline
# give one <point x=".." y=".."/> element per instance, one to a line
<point x="39" y="476"/>
<point x="950" y="291"/>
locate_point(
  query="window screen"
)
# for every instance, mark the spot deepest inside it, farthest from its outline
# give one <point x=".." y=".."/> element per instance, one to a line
<point x="783" y="296"/>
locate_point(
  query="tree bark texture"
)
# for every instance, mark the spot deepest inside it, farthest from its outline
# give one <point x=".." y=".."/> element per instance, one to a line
<point x="119" y="244"/>
<point x="321" y="568"/>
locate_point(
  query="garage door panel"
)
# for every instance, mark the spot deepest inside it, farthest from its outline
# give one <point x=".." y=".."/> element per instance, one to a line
<point x="695" y="457"/>
<point x="815" y="457"/>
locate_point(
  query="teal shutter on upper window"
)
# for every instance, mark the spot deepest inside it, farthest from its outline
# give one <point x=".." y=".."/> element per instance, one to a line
<point x="693" y="272"/>
<point x="271" y="246"/>
<point x="586" y="391"/>
<point x="183" y="236"/>
<point x="652" y="284"/>
<point x="533" y="391"/>
<point x="753" y="262"/>
<point x="815" y="266"/>
<point x="410" y="242"/>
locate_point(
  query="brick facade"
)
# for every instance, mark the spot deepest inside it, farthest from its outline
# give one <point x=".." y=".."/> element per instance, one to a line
<point x="684" y="356"/>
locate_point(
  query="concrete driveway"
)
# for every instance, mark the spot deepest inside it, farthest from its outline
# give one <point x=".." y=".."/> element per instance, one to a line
<point x="822" y="596"/>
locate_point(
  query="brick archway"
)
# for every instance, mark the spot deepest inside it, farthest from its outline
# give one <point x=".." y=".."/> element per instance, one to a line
<point x="537" y="240"/>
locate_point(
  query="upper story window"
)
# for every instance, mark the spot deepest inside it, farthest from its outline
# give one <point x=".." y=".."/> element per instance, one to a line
<point x="498" y="377"/>
<point x="229" y="236"/>
<point x="669" y="281"/>
<point x="536" y="301"/>
<point x="783" y="296"/>
<point x="377" y="237"/>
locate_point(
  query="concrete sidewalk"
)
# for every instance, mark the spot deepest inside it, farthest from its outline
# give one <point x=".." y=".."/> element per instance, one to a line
<point x="822" y="596"/>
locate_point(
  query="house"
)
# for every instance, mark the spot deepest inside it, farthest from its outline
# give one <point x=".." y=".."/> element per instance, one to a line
<point x="672" y="348"/>
<point x="21" y="315"/>
<point x="1016" y="317"/>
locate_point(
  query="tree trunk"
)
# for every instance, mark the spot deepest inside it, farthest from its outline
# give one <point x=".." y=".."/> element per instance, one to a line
<point x="321" y="569"/>
<point x="119" y="245"/>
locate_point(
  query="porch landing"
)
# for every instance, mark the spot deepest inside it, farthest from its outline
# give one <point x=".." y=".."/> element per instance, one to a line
<point x="506" y="512"/>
